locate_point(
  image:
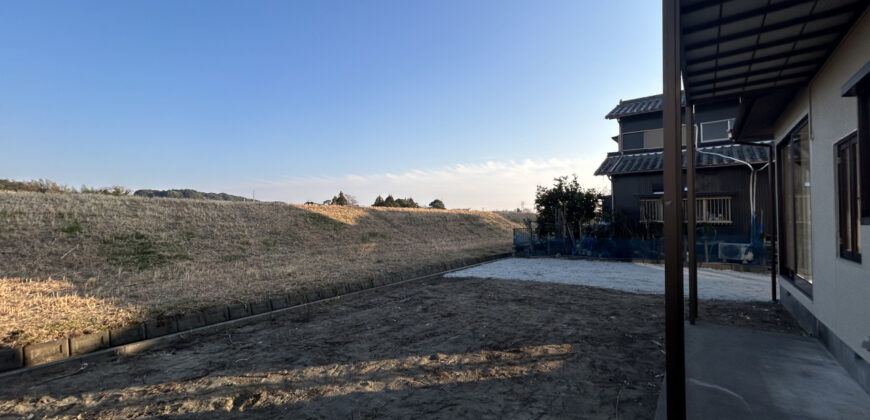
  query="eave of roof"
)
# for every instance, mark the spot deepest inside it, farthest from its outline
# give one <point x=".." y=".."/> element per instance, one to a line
<point x="706" y="157"/>
<point x="637" y="106"/>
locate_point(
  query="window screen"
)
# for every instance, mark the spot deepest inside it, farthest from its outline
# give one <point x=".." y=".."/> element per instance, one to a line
<point x="631" y="141"/>
<point x="715" y="130"/>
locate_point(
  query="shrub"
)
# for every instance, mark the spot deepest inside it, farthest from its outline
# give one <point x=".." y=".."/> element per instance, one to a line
<point x="40" y="186"/>
<point x="115" y="190"/>
<point x="73" y="228"/>
<point x="579" y="205"/>
<point x="437" y="204"/>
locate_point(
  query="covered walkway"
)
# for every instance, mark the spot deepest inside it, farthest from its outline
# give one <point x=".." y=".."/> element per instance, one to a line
<point x="750" y="374"/>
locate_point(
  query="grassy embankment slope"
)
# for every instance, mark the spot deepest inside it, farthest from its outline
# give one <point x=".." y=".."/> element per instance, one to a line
<point x="75" y="263"/>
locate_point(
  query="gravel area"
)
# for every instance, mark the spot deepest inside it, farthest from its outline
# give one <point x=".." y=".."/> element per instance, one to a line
<point x="624" y="276"/>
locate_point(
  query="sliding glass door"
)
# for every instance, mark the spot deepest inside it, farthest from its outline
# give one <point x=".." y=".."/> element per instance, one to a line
<point x="794" y="182"/>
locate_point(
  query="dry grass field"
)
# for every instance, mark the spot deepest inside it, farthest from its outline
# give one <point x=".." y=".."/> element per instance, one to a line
<point x="75" y="263"/>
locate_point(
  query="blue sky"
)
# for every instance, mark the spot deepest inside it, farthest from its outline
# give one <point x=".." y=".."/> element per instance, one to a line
<point x="475" y="102"/>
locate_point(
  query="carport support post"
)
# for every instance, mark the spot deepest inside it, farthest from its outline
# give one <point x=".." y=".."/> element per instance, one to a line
<point x="773" y="217"/>
<point x="675" y="362"/>
<point x="692" y="211"/>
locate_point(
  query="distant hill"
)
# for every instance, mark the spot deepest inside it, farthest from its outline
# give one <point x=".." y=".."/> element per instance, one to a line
<point x="188" y="193"/>
<point x="71" y="263"/>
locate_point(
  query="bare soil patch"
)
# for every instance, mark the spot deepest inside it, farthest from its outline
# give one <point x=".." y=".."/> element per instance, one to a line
<point x="444" y="348"/>
<point x="126" y="259"/>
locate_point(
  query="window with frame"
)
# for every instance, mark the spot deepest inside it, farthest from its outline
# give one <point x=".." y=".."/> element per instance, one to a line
<point x="847" y="198"/>
<point x="795" y="237"/>
<point x="711" y="210"/>
<point x="651" y="210"/>
<point x="632" y="140"/>
<point x="716" y="130"/>
<point x="859" y="86"/>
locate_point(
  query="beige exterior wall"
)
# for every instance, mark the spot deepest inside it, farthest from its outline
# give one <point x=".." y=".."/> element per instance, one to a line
<point x="654" y="139"/>
<point x="841" y="288"/>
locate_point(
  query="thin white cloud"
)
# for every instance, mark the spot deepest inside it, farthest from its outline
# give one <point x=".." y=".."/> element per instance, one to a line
<point x="489" y="185"/>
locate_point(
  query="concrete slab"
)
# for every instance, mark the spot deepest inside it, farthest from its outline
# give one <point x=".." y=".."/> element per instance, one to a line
<point x="161" y="327"/>
<point x="326" y="292"/>
<point x="11" y="358"/>
<point x="126" y="335"/>
<point x="741" y="373"/>
<point x="260" y="307"/>
<point x="88" y="343"/>
<point x="36" y="354"/>
<point x="216" y="315"/>
<point x="191" y="321"/>
<point x="280" y="302"/>
<point x="312" y="296"/>
<point x="239" y="311"/>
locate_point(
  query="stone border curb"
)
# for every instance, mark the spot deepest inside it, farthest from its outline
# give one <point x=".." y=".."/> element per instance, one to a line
<point x="160" y="332"/>
<point x="745" y="268"/>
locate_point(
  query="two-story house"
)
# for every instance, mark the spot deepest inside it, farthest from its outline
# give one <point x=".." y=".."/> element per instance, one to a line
<point x="732" y="184"/>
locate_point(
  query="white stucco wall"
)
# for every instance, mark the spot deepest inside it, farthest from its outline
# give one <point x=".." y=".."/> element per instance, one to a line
<point x="841" y="288"/>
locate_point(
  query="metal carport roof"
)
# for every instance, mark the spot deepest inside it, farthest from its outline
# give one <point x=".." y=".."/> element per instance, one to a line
<point x="749" y="47"/>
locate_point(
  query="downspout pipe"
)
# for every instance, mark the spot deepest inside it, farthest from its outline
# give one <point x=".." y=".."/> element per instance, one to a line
<point x="691" y="212"/>
<point x="774" y="232"/>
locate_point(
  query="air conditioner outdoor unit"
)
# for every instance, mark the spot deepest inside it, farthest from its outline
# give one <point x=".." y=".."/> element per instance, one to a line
<point x="735" y="252"/>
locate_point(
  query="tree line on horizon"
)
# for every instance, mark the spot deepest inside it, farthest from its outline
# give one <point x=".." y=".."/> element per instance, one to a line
<point x="46" y="186"/>
<point x="408" y="202"/>
<point x="343" y="199"/>
<point x="50" y="187"/>
<point x="189" y="193"/>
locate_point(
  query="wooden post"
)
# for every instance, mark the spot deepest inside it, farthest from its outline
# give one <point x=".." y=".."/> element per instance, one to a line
<point x="675" y="362"/>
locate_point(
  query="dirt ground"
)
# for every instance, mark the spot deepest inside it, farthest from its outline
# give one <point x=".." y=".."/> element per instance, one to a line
<point x="443" y="348"/>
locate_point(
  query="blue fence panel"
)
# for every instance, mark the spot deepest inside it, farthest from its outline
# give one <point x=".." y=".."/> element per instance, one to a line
<point x="708" y="248"/>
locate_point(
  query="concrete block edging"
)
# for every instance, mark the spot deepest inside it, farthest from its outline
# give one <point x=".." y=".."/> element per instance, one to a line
<point x="156" y="332"/>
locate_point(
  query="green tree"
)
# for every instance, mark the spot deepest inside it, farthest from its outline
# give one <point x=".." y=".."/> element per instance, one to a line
<point x="379" y="202"/>
<point x="407" y="203"/>
<point x="580" y="205"/>
<point x="390" y="201"/>
<point x="437" y="204"/>
<point x="340" y="200"/>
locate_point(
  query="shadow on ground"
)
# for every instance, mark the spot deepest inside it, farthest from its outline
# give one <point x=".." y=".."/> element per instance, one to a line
<point x="441" y="348"/>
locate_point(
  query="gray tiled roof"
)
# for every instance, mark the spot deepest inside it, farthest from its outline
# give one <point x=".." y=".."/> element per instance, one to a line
<point x="638" y="106"/>
<point x="616" y="164"/>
